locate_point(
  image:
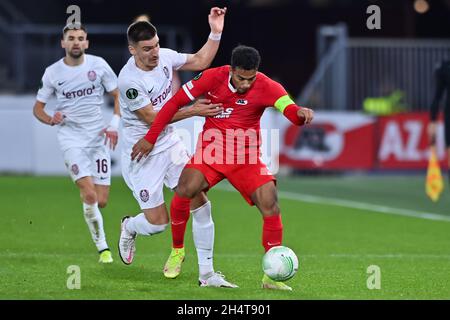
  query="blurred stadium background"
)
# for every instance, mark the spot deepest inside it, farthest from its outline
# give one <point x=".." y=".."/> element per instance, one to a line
<point x="366" y="152"/>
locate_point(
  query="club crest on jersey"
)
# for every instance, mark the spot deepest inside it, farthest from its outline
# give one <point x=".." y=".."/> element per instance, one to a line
<point x="92" y="76"/>
<point x="75" y="169"/>
<point x="166" y="72"/>
<point x="144" y="195"/>
<point x="241" y="102"/>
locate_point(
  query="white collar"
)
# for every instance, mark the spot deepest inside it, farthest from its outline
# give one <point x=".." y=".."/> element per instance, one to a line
<point x="232" y="89"/>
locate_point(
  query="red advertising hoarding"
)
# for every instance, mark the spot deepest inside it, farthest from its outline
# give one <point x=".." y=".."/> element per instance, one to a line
<point x="332" y="141"/>
<point x="356" y="141"/>
<point x="403" y="141"/>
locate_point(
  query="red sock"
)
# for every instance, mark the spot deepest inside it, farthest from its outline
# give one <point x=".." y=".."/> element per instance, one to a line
<point x="272" y="231"/>
<point x="179" y="214"/>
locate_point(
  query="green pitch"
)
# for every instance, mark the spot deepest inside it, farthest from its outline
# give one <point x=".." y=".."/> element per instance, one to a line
<point x="337" y="230"/>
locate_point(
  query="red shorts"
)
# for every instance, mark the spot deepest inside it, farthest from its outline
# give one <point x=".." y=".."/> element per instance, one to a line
<point x="246" y="178"/>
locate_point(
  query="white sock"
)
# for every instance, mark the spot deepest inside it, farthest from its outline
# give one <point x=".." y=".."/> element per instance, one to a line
<point x="203" y="233"/>
<point x="94" y="220"/>
<point x="140" y="225"/>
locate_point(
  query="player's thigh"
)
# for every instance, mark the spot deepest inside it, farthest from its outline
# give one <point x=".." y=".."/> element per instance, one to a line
<point x="194" y="180"/>
<point x="126" y="168"/>
<point x="179" y="157"/>
<point x="248" y="178"/>
<point x="146" y="180"/>
<point x="157" y="215"/>
<point x="78" y="163"/>
<point x="197" y="176"/>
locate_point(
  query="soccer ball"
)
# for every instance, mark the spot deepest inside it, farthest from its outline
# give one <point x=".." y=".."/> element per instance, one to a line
<point x="280" y="263"/>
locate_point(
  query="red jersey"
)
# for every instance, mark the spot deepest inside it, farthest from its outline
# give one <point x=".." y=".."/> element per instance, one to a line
<point x="239" y="123"/>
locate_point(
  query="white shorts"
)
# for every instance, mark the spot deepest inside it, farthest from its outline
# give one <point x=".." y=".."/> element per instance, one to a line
<point x="92" y="162"/>
<point x="146" y="178"/>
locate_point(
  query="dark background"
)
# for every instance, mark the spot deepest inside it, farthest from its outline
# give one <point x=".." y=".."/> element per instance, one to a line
<point x="284" y="31"/>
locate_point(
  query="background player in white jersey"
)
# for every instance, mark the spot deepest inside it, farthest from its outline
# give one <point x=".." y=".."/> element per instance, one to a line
<point x="79" y="81"/>
<point x="145" y="85"/>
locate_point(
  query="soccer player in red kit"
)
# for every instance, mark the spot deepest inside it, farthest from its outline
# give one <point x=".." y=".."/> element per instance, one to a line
<point x="229" y="146"/>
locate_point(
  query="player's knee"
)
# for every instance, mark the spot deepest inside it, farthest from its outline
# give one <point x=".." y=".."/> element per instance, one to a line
<point x="89" y="196"/>
<point x="274" y="208"/>
<point x="184" y="191"/>
<point x="270" y="208"/>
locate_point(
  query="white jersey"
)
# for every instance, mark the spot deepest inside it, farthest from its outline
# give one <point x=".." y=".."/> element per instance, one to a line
<point x="139" y="88"/>
<point x="79" y="91"/>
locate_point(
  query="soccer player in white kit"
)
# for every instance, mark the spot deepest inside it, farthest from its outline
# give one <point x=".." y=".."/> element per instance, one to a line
<point x="79" y="81"/>
<point x="145" y="85"/>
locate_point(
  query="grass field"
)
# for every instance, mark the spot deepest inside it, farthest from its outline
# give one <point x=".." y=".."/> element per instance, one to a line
<point x="337" y="226"/>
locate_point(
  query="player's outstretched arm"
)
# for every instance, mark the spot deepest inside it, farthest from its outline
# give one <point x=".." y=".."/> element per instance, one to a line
<point x="203" y="58"/>
<point x="191" y="90"/>
<point x="144" y="146"/>
<point x="280" y="100"/>
<point x="42" y="116"/>
<point x="201" y="108"/>
<point x="295" y="114"/>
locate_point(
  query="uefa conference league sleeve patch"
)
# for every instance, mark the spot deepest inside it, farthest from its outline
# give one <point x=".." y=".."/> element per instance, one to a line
<point x="198" y="76"/>
<point x="132" y="93"/>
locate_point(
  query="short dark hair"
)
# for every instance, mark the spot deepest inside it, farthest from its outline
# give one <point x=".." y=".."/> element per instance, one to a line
<point x="142" y="17"/>
<point x="140" y="30"/>
<point x="74" y="26"/>
<point x="246" y="58"/>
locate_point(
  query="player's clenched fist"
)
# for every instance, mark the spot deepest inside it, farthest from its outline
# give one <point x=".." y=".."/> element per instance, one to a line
<point x="57" y="118"/>
<point x="307" y="114"/>
<point x="216" y="19"/>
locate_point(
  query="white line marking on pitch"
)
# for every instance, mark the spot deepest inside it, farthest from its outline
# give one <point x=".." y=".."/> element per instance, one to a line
<point x="355" y="205"/>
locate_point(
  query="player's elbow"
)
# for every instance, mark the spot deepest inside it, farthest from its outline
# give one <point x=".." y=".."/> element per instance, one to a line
<point x="205" y="65"/>
<point x="201" y="62"/>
